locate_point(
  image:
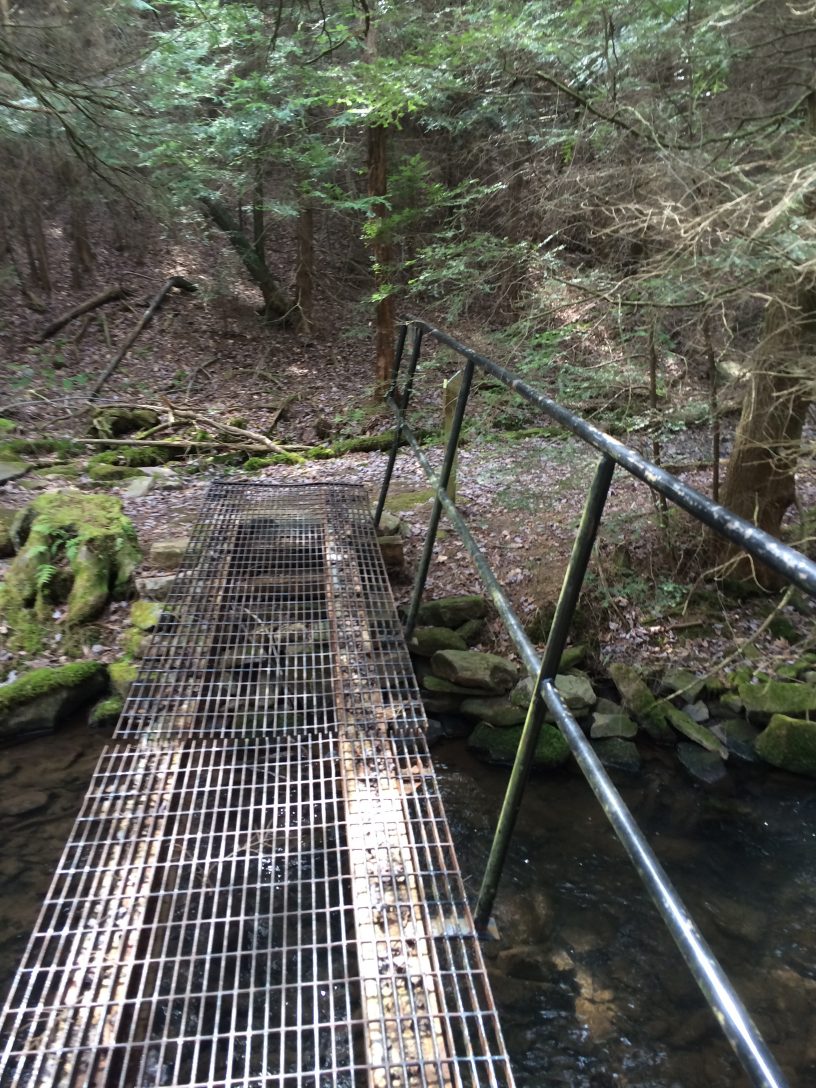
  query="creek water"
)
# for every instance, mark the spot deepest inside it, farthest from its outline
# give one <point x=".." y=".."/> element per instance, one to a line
<point x="590" y="989"/>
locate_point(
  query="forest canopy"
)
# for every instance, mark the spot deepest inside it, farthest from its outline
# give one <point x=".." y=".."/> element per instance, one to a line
<point x="565" y="173"/>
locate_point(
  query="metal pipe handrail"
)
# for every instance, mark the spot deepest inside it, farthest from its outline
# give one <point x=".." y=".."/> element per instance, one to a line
<point x="726" y="1004"/>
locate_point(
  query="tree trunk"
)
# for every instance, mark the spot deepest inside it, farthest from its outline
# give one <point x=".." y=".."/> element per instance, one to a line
<point x="82" y="256"/>
<point x="277" y="307"/>
<point x="258" y="226"/>
<point x="760" y="484"/>
<point x="382" y="253"/>
<point x="304" y="278"/>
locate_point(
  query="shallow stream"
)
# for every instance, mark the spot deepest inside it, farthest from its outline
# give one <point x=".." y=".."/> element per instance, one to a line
<point x="590" y="989"/>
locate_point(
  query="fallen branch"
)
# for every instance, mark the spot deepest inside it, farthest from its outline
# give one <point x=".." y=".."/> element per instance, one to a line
<point x="110" y="295"/>
<point x="181" y="444"/>
<point x="174" y="281"/>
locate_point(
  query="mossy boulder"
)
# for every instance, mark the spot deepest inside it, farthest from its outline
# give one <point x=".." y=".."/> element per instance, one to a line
<point x="7" y="516"/>
<point x="469" y="669"/>
<point x="437" y="686"/>
<point x="37" y="701"/>
<point x="618" y="754"/>
<point x="500" y="745"/>
<point x="112" y="422"/>
<point x="425" y="641"/>
<point x="638" y="700"/>
<point x="111" y="473"/>
<point x="74" y="548"/>
<point x="12" y="469"/>
<point x="452" y="611"/>
<point x="169" y="554"/>
<point x="769" y="697"/>
<point x="145" y="614"/>
<point x="494" y="710"/>
<point x="106" y="714"/>
<point x="789" y="743"/>
<point x="122" y="674"/>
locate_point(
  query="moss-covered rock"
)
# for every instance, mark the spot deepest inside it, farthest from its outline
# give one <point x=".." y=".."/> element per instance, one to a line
<point x="7" y="515"/>
<point x="494" y="710"/>
<point x="425" y="641"/>
<point x="37" y="701"/>
<point x="169" y="554"/>
<point x="695" y="731"/>
<point x="500" y="745"/>
<point x="111" y="422"/>
<point x="134" y="456"/>
<point x="639" y="702"/>
<point x="771" y="697"/>
<point x="789" y="743"/>
<point x="106" y="714"/>
<point x="12" y="469"/>
<point x="618" y="754"/>
<point x="72" y="547"/>
<point x="145" y="614"/>
<point x="111" y="473"/>
<point x="452" y="611"/>
<point x="437" y="686"/>
<point x="122" y="674"/>
<point x="487" y="672"/>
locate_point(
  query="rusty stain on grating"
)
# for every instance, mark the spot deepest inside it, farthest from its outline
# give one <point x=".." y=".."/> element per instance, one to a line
<point x="260" y="888"/>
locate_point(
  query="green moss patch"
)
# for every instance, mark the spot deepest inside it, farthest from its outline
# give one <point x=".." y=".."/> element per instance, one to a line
<point x="134" y="456"/>
<point x="41" y="682"/>
<point x="789" y="743"/>
<point x="106" y="714"/>
<point x="72" y="547"/>
<point x="122" y="674"/>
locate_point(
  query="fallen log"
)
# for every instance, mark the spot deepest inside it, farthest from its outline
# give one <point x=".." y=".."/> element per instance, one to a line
<point x="112" y="294"/>
<point x="174" y="281"/>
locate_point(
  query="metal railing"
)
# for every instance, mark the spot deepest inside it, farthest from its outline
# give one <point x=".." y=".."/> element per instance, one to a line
<point x="795" y="568"/>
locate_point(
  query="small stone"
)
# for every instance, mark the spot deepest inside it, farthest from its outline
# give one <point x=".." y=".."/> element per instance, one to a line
<point x="571" y="658"/>
<point x="452" y="611"/>
<point x="438" y="686"/>
<point x="106" y="714"/>
<point x="425" y="641"/>
<point x="576" y="691"/>
<point x="471" y="631"/>
<point x="138" y="488"/>
<point x="700" y="734"/>
<point x="12" y="470"/>
<point x="612" y="725"/>
<point x="707" y="768"/>
<point x="169" y="554"/>
<point x="681" y="682"/>
<point x="494" y="710"/>
<point x="698" y="711"/>
<point x="157" y="586"/>
<point x="470" y="669"/>
<point x="640" y="702"/>
<point x="122" y="674"/>
<point x="145" y="614"/>
<point x="618" y="754"/>
<point x="390" y="524"/>
<point x="393" y="553"/>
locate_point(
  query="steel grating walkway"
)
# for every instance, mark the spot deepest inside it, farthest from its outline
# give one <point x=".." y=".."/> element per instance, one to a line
<point x="260" y="888"/>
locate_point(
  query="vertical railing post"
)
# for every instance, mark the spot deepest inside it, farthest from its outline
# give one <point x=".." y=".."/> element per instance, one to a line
<point x="564" y="612"/>
<point x="401" y="408"/>
<point x="444" y="479"/>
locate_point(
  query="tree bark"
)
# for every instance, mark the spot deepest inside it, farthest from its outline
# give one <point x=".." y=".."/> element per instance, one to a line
<point x="304" y="277"/>
<point x="382" y="253"/>
<point x="760" y="483"/>
<point x="277" y="307"/>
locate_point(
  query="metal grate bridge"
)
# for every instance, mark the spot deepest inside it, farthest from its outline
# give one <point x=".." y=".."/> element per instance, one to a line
<point x="260" y="888"/>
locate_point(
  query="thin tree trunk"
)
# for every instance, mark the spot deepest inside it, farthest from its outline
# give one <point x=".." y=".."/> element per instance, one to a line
<point x="82" y="256"/>
<point x="258" y="225"/>
<point x="760" y="484"/>
<point x="382" y="253"/>
<point x="304" y="278"/>
<point x="277" y="307"/>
